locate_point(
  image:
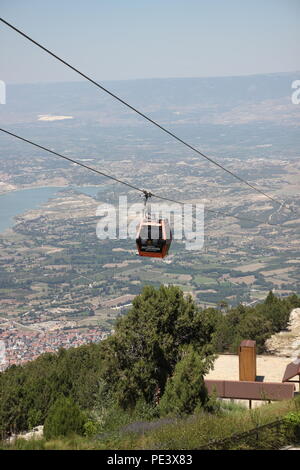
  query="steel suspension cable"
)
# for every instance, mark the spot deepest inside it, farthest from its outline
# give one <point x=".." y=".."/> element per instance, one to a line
<point x="150" y="194"/>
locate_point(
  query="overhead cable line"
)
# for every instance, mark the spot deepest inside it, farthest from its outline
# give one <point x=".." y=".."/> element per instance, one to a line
<point x="125" y="103"/>
<point x="146" y="193"/>
<point x="71" y="160"/>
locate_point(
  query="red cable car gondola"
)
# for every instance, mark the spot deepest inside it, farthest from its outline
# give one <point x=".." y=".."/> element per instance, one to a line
<point x="153" y="237"/>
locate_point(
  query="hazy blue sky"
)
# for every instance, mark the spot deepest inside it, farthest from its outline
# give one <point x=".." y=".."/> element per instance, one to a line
<point x="124" y="39"/>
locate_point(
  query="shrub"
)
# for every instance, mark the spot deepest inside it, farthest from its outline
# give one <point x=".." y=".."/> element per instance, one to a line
<point x="90" y="428"/>
<point x="185" y="390"/>
<point x="64" y="418"/>
<point x="292" y="424"/>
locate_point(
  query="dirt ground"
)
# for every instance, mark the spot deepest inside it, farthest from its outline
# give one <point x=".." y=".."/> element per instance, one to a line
<point x="268" y="368"/>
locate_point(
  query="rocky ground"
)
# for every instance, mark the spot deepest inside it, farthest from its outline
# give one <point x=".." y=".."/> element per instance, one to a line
<point x="287" y="343"/>
<point x="36" y="433"/>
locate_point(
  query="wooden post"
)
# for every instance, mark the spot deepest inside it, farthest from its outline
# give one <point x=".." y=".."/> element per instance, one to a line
<point x="247" y="361"/>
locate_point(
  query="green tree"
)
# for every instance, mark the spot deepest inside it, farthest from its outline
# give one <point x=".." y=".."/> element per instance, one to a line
<point x="253" y="326"/>
<point x="271" y="299"/>
<point x="277" y="311"/>
<point x="28" y="391"/>
<point x="64" y="418"/>
<point x="146" y="346"/>
<point x="226" y="328"/>
<point x="185" y="390"/>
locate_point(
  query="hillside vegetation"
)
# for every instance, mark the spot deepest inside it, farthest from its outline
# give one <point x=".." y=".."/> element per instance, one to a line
<point x="197" y="431"/>
<point x="151" y="368"/>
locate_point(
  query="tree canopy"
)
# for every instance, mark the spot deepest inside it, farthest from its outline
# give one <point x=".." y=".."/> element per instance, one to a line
<point x="147" y="343"/>
<point x="185" y="390"/>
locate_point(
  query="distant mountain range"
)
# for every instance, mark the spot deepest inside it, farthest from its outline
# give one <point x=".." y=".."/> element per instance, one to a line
<point x="165" y="92"/>
<point x="224" y="114"/>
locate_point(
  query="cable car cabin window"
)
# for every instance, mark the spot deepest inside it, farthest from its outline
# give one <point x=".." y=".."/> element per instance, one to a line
<point x="151" y="238"/>
<point x="151" y="232"/>
<point x="154" y="238"/>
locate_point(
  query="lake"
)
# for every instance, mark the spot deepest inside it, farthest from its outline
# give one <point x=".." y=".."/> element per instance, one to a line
<point x="16" y="203"/>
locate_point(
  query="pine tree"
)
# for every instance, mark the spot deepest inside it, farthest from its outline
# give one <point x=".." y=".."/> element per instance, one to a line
<point x="185" y="390"/>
